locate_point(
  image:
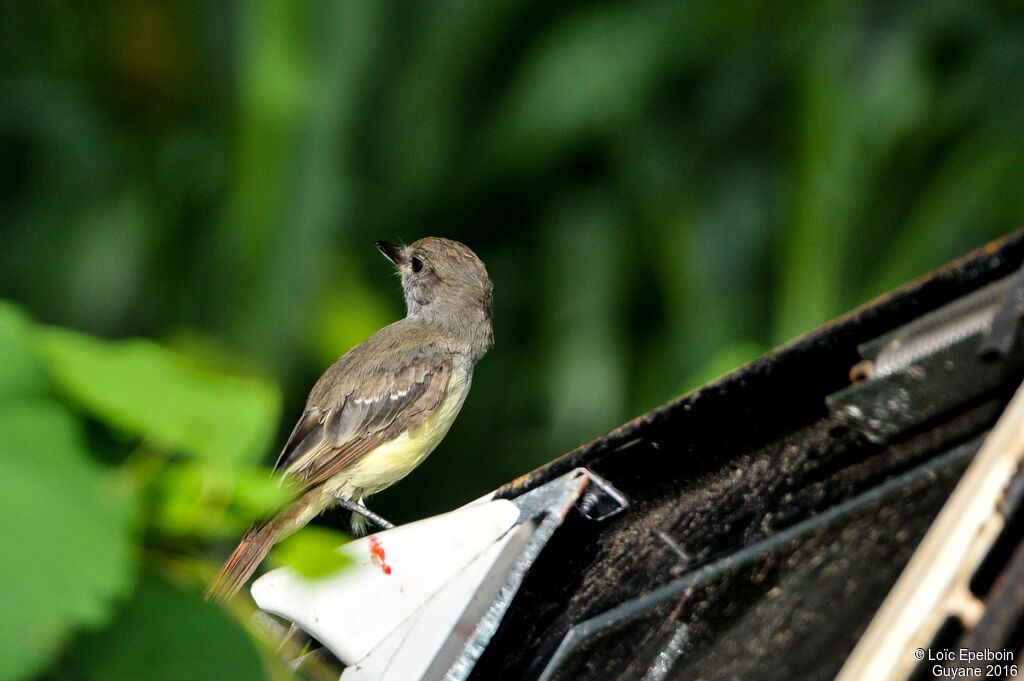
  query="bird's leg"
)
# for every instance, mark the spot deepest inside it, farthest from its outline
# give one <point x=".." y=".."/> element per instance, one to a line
<point x="356" y="507"/>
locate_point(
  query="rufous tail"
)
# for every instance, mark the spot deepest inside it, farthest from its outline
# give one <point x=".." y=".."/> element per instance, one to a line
<point x="251" y="551"/>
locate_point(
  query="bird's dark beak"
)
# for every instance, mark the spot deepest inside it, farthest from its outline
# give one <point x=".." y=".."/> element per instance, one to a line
<point x="394" y="252"/>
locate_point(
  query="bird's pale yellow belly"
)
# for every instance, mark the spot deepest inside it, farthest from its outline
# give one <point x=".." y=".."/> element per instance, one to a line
<point x="392" y="461"/>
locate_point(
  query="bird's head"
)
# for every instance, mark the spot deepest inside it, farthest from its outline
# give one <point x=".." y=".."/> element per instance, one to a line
<point x="444" y="283"/>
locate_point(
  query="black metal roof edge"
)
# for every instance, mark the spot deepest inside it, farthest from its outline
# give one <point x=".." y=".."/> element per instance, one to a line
<point x="766" y="381"/>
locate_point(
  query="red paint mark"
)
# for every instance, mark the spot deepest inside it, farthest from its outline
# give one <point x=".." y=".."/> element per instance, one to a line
<point x="377" y="555"/>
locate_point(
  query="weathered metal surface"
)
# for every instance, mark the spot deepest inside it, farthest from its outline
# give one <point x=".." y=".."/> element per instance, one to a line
<point x="728" y="468"/>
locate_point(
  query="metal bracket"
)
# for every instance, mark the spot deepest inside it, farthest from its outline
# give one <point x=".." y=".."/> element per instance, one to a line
<point x="930" y="366"/>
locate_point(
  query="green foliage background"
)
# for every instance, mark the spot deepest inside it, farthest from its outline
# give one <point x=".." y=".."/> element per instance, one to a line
<point x="660" y="190"/>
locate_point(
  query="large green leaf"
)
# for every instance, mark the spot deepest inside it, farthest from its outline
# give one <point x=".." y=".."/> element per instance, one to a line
<point x="20" y="373"/>
<point x="161" y="396"/>
<point x="65" y="550"/>
<point x="167" y="634"/>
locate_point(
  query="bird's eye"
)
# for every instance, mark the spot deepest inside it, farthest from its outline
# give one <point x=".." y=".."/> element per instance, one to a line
<point x="417" y="264"/>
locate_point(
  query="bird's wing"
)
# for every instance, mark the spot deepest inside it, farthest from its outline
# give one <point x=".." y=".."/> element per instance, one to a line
<point x="328" y="440"/>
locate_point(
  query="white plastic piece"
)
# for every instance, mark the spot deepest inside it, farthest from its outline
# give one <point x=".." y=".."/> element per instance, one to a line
<point x="394" y="573"/>
<point x="411" y="649"/>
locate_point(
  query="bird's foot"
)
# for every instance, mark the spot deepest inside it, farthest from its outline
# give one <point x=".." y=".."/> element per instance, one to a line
<point x="359" y="509"/>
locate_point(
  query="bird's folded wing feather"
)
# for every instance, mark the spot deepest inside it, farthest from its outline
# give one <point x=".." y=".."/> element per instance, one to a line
<point x="328" y="440"/>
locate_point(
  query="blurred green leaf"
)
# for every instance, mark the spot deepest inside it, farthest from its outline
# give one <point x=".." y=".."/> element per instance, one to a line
<point x="983" y="167"/>
<point x="312" y="552"/>
<point x="729" y="357"/>
<point x="167" y="634"/>
<point x="160" y="396"/>
<point x="586" y="366"/>
<point x="20" y="373"/>
<point x="67" y="543"/>
<point x="587" y="73"/>
<point x="256" y="494"/>
<point x="349" y="314"/>
<point x="194" y="498"/>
